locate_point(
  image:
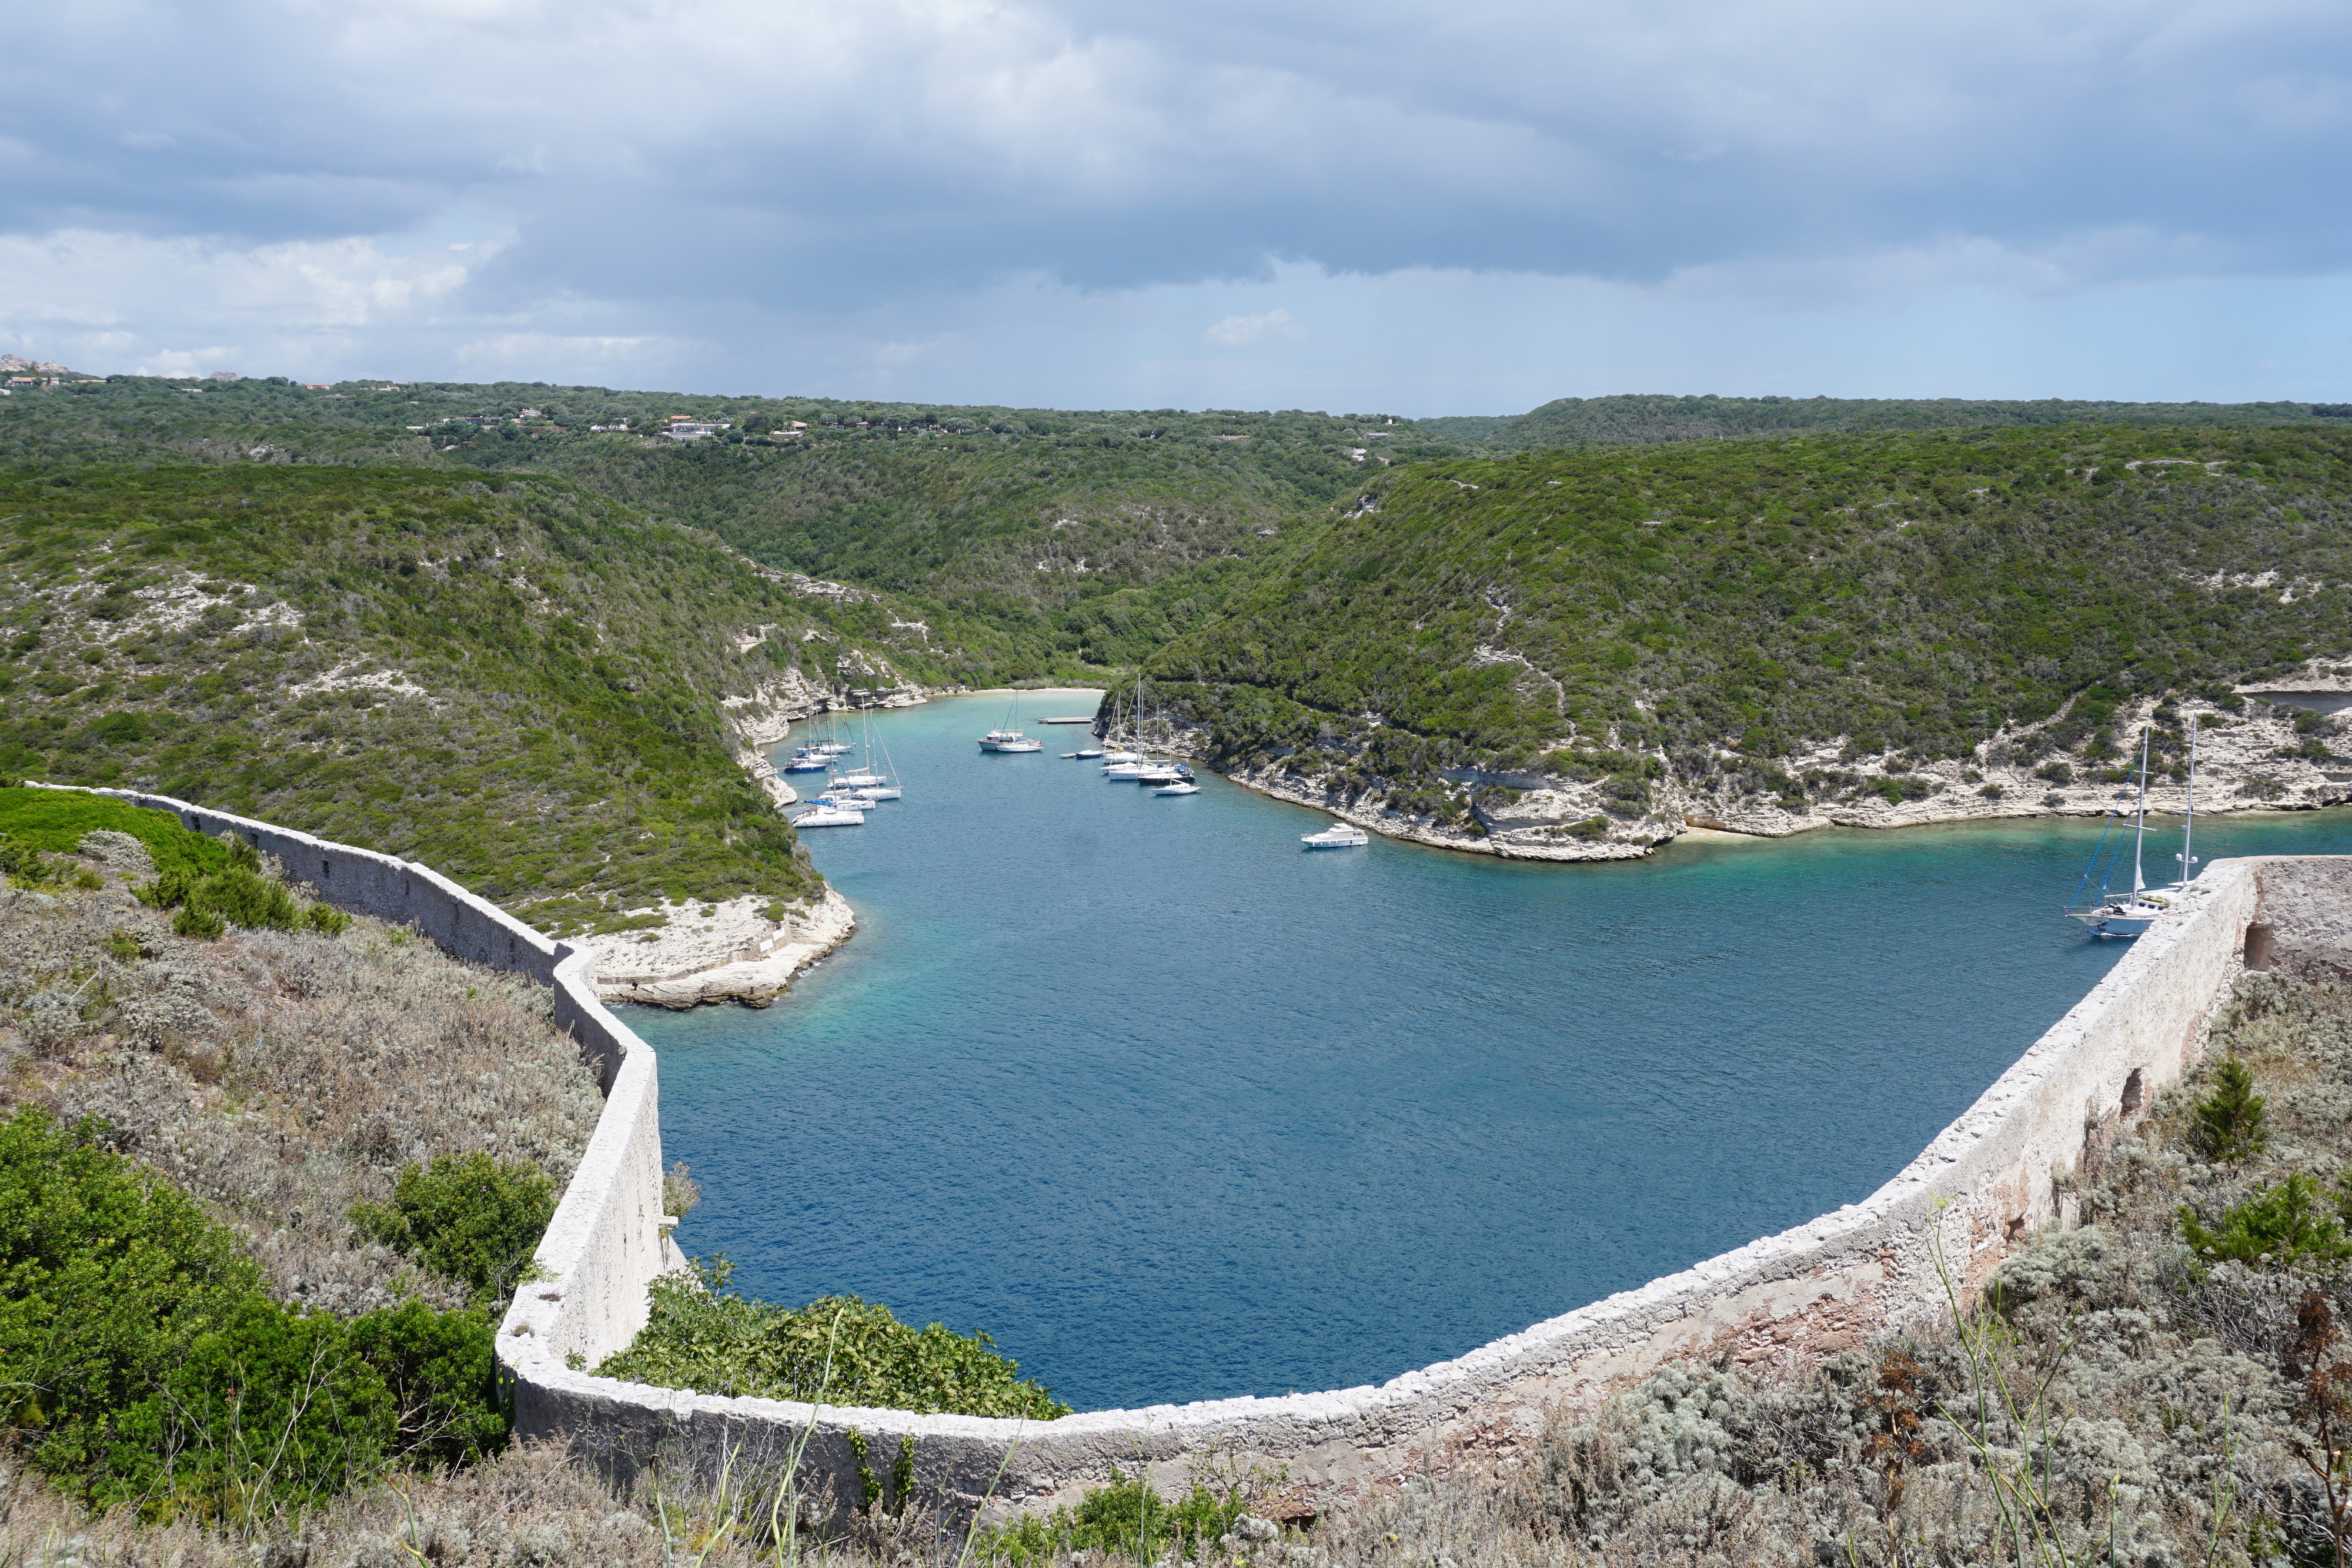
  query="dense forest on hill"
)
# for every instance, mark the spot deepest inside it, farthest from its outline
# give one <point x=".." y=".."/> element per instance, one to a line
<point x="1380" y="604"/>
<point x="1713" y="606"/>
<point x="1030" y="542"/>
<point x="1616" y="420"/>
<point x="509" y="679"/>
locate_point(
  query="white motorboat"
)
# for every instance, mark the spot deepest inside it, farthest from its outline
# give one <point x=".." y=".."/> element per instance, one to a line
<point x="1337" y="836"/>
<point x="1182" y="787"/>
<point x="831" y="817"/>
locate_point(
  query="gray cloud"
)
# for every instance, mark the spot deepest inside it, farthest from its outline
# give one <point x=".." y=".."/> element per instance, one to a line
<point x="633" y="171"/>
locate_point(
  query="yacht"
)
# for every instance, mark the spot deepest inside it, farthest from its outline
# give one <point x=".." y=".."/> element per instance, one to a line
<point x="831" y="817"/>
<point x="1182" y="787"/>
<point x="1337" y="836"/>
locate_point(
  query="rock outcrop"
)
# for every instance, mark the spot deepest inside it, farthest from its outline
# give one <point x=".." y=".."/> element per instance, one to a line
<point x="731" y="951"/>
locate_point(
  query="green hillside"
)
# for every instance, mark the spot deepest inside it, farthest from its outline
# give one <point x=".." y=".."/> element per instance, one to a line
<point x="508" y="678"/>
<point x="1030" y="542"/>
<point x="1911" y="592"/>
<point x="1619" y="420"/>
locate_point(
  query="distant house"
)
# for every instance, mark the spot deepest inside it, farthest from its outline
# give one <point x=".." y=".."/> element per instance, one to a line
<point x="689" y="430"/>
<point x="320" y="386"/>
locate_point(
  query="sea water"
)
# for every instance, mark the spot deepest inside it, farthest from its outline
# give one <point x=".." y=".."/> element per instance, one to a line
<point x="1174" y="1110"/>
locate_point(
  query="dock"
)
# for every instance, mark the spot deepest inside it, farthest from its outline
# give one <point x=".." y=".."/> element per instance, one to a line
<point x="1087" y="718"/>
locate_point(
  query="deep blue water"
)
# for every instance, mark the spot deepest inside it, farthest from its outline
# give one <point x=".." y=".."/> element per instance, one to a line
<point x="1175" y="1111"/>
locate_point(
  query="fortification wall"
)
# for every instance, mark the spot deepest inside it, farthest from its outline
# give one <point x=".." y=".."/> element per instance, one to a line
<point x="605" y="1244"/>
<point x="1940" y="1227"/>
<point x="1986" y="1180"/>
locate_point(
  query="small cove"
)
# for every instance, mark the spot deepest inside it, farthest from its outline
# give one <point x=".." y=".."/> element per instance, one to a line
<point x="1175" y="1111"/>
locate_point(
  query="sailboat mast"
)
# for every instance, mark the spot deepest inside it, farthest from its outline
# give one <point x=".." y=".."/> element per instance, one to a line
<point x="2188" y="822"/>
<point x="2140" y="836"/>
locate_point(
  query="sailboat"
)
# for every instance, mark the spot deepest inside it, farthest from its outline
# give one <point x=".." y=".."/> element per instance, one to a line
<point x="2116" y="914"/>
<point x="876" y="785"/>
<point x="1007" y="737"/>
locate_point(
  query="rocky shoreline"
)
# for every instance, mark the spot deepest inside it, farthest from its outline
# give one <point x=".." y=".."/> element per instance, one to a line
<point x="731" y="951"/>
<point x="2255" y="761"/>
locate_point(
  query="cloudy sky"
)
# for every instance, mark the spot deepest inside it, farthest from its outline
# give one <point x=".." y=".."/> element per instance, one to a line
<point x="1417" y="208"/>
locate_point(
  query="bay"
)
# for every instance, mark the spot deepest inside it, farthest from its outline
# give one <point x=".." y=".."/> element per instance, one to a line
<point x="1175" y="1111"/>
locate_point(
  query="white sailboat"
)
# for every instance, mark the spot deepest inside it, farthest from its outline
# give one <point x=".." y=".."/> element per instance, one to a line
<point x="1008" y="737"/>
<point x="831" y="817"/>
<point x="2123" y="916"/>
<point x="876" y="783"/>
<point x="1182" y="787"/>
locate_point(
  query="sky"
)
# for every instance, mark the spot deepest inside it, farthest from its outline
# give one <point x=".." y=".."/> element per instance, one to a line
<point x="1375" y="206"/>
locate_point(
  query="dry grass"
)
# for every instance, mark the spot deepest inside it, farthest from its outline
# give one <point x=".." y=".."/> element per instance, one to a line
<point x="282" y="1077"/>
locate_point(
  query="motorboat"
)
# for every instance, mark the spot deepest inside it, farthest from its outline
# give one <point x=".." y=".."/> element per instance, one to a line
<point x="1087" y="752"/>
<point x="805" y="761"/>
<point x="1182" y="787"/>
<point x="1337" y="836"/>
<point x="831" y="817"/>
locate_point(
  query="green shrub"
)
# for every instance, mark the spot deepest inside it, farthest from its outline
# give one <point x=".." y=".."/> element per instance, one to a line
<point x="204" y="924"/>
<point x="326" y="920"/>
<point x="233" y="894"/>
<point x="145" y="1364"/>
<point x="2227" y="1124"/>
<point x="24" y="865"/>
<point x="845" y="1350"/>
<point x="2285" y="1224"/>
<point x="439" y="1370"/>
<point x="267" y="1408"/>
<point x="466" y="1217"/>
<point x="56" y="819"/>
<point x="1127" y="1519"/>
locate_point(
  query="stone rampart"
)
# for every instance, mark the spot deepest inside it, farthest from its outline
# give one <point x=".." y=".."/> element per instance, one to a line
<point x="1987" y="1179"/>
<point x="1896" y="1258"/>
<point x="606" y="1243"/>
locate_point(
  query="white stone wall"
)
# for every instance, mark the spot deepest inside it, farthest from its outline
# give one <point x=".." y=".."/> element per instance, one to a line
<point x="1987" y="1179"/>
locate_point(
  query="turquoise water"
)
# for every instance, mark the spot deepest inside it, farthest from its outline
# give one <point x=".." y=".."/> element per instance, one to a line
<point x="1175" y="1111"/>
